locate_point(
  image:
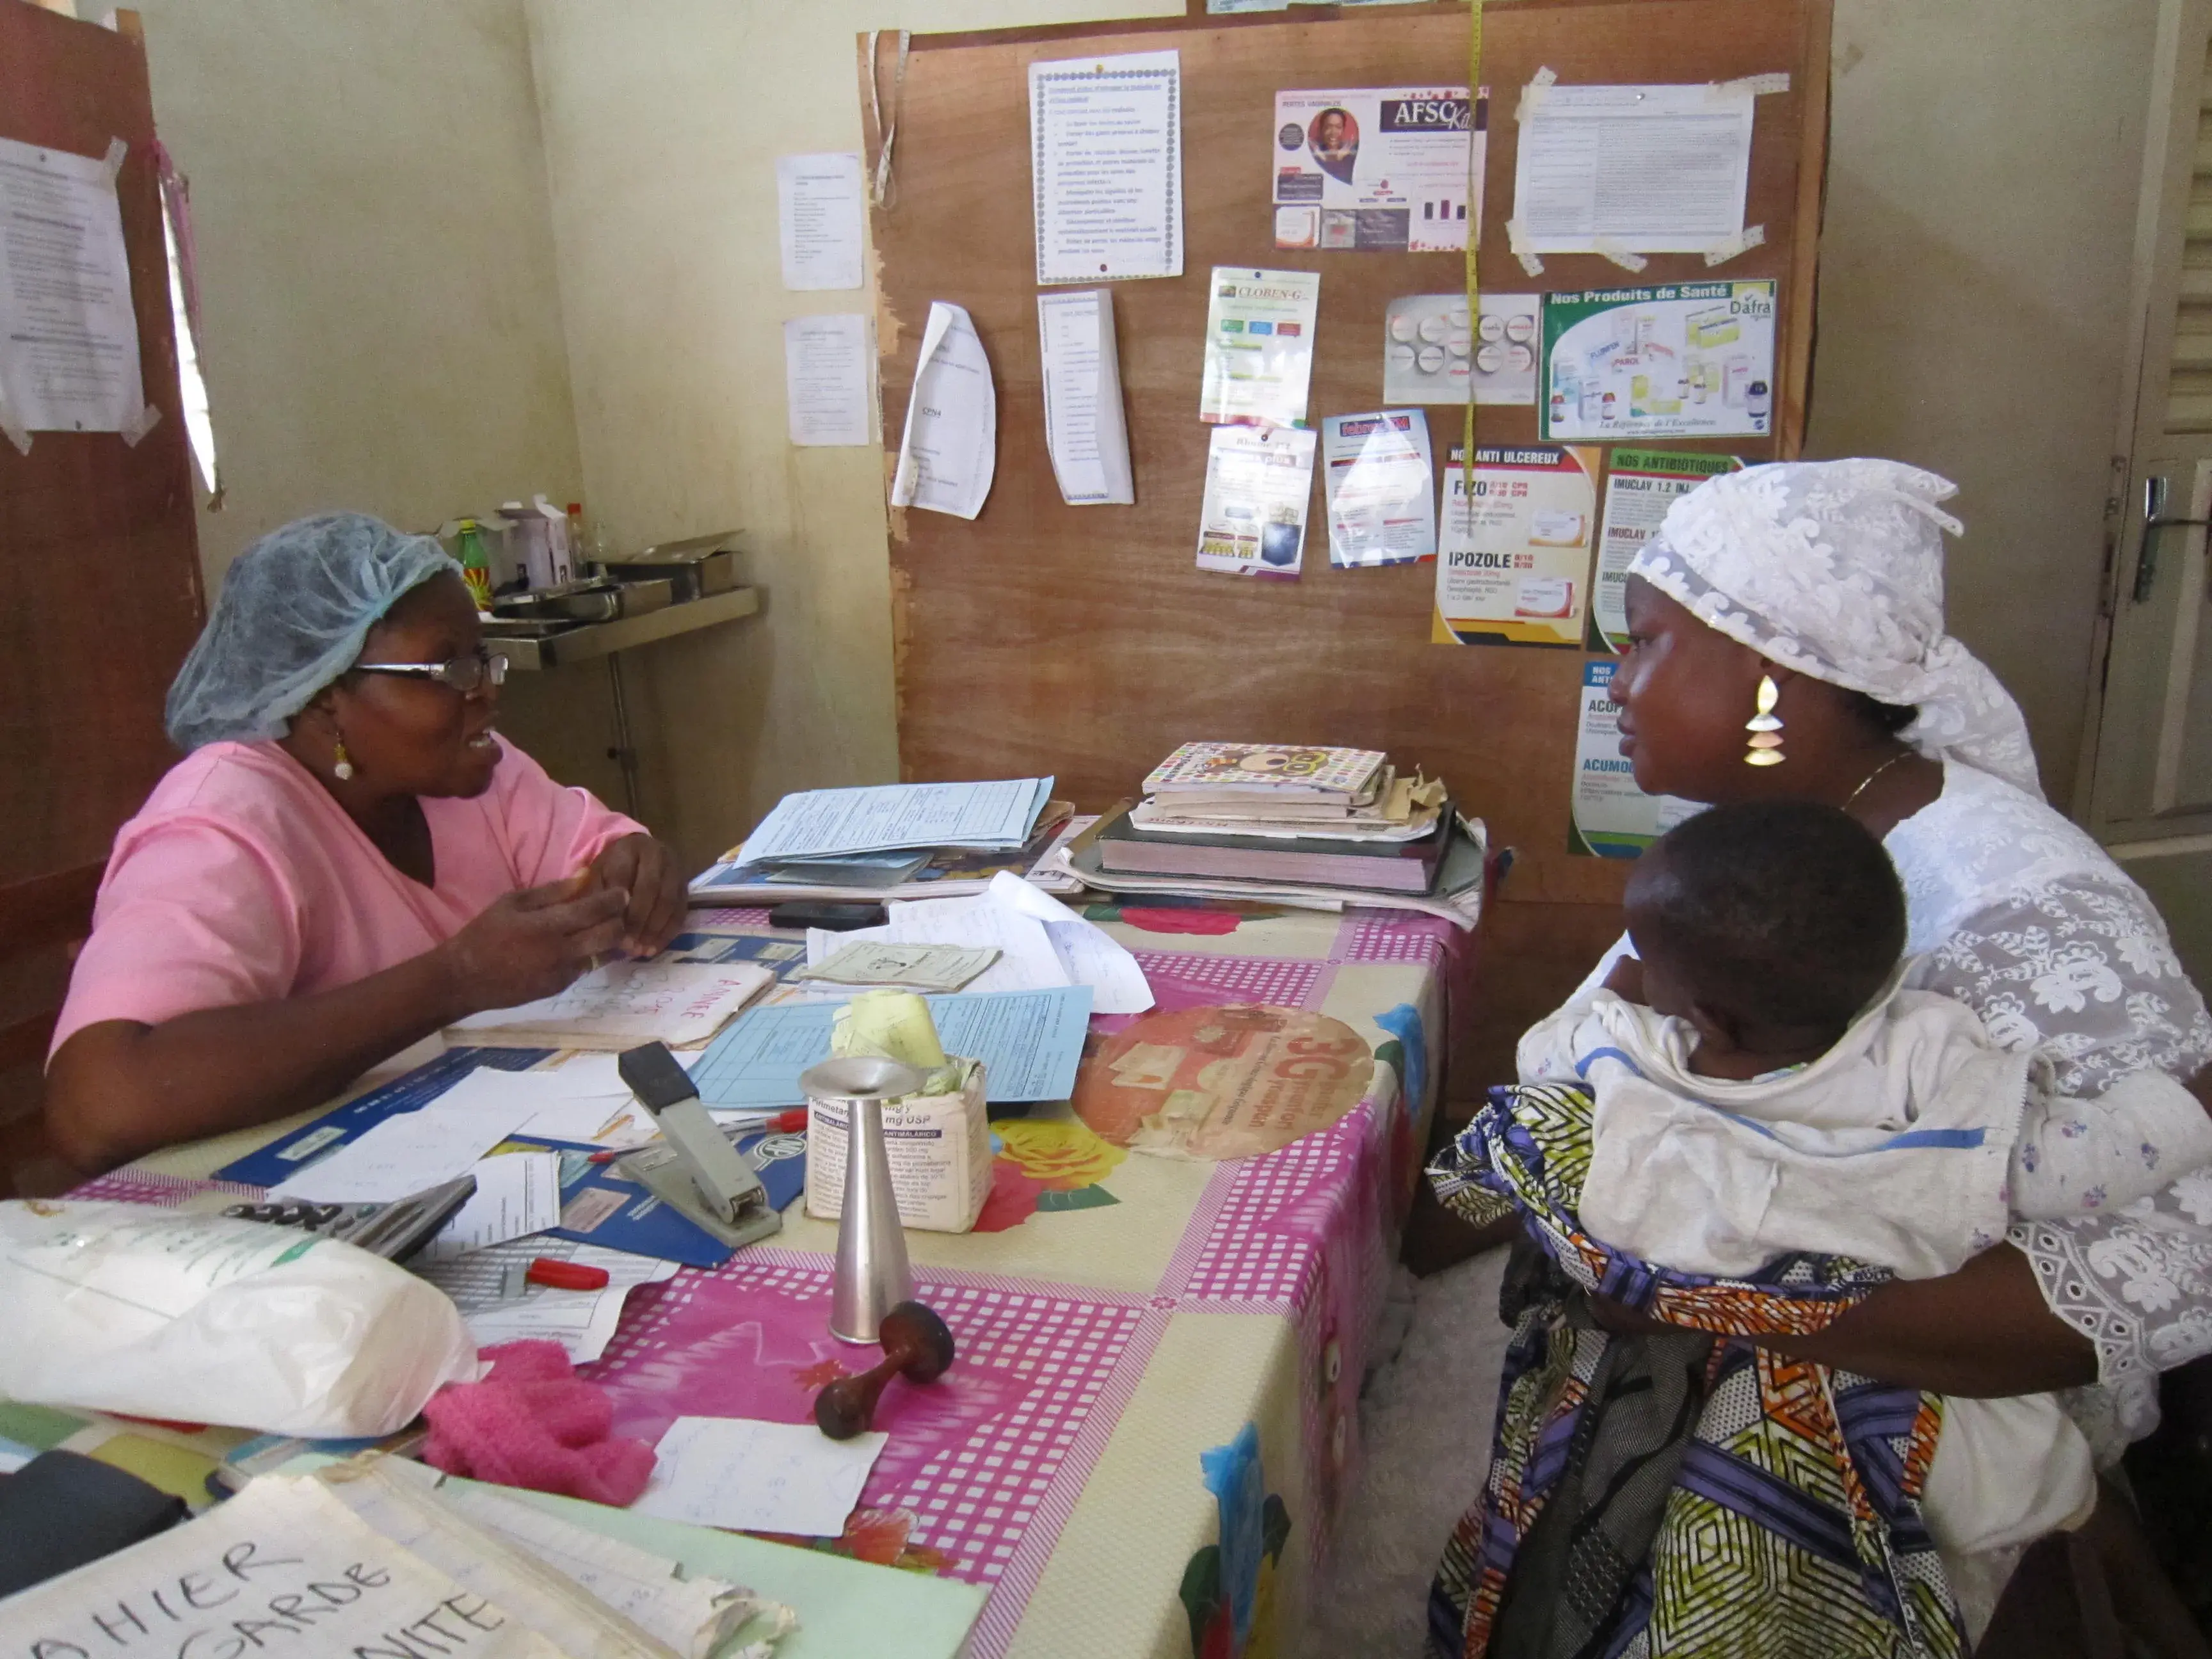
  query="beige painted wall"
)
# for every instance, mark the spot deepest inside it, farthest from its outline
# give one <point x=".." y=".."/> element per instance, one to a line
<point x="1983" y="163"/>
<point x="662" y="120"/>
<point x="382" y="317"/>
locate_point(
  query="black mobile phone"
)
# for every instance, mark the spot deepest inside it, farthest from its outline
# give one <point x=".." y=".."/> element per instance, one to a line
<point x="836" y="918"/>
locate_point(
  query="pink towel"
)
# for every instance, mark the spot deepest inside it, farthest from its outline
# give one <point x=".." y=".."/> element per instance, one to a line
<point x="533" y="1422"/>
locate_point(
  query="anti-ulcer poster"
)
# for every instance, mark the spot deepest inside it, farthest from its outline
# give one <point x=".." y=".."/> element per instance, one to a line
<point x="1513" y="559"/>
<point x="1640" y="485"/>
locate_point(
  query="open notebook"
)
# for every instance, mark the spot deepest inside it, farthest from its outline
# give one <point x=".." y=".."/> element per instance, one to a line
<point x="366" y="1552"/>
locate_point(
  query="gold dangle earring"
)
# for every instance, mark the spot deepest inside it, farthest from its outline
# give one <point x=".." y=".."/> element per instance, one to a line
<point x="344" y="768"/>
<point x="1765" y="727"/>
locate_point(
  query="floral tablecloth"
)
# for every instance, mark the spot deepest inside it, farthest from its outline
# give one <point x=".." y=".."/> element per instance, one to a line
<point x="1141" y="1448"/>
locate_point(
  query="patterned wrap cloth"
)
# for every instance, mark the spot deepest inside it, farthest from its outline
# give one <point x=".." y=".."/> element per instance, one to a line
<point x="1792" y="1524"/>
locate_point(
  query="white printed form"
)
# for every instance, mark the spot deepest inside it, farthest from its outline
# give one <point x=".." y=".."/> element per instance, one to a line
<point x="759" y="1477"/>
<point x="1085" y="429"/>
<point x="68" y="339"/>
<point x="1657" y="169"/>
<point x="1106" y="166"/>
<point x="949" y="448"/>
<point x="829" y="381"/>
<point x="818" y="204"/>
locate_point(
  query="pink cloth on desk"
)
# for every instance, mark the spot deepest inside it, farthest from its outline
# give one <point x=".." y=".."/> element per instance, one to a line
<point x="240" y="881"/>
<point x="534" y="1423"/>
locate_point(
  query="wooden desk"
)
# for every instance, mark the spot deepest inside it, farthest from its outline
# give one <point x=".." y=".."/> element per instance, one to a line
<point x="1118" y="1315"/>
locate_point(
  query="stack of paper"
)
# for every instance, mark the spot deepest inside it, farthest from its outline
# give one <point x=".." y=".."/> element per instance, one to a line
<point x="1039" y="943"/>
<point x="906" y="841"/>
<point x="360" y="1551"/>
<point x="498" y="1304"/>
<point x="624" y="1004"/>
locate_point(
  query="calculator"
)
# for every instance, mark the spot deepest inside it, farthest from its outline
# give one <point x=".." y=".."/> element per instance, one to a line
<point x="394" y="1231"/>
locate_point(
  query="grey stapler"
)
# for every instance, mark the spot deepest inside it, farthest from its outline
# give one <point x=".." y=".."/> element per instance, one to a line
<point x="697" y="1172"/>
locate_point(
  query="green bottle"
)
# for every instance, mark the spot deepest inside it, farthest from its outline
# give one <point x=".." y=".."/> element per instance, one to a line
<point x="476" y="567"/>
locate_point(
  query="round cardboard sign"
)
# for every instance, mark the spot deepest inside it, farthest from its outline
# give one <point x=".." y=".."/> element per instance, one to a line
<point x="1212" y="1083"/>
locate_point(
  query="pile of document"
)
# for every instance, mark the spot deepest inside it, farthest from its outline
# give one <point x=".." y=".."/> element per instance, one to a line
<point x="383" y="1556"/>
<point x="1308" y="825"/>
<point x="892" y="840"/>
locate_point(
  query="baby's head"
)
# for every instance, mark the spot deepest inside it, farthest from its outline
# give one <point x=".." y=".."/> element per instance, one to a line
<point x="1769" y="925"/>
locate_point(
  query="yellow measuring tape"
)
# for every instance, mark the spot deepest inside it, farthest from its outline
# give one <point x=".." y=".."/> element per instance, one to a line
<point x="1473" y="237"/>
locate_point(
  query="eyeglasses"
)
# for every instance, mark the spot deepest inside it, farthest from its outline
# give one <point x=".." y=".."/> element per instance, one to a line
<point x="466" y="675"/>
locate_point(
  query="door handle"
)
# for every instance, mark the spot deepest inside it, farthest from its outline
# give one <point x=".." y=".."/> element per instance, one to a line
<point x="2155" y="489"/>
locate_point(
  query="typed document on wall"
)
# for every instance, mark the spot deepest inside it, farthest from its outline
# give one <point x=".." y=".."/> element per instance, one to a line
<point x="1106" y="166"/>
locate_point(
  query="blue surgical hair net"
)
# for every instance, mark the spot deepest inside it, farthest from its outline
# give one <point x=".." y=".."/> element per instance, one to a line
<point x="295" y="609"/>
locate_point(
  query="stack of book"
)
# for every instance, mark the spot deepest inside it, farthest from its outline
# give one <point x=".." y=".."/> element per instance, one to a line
<point x="1321" y="826"/>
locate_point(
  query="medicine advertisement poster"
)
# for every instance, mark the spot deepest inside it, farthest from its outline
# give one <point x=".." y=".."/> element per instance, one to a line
<point x="1253" y="521"/>
<point x="1381" y="488"/>
<point x="1640" y="485"/>
<point x="1513" y="557"/>
<point x="1379" y="169"/>
<point x="1259" y="346"/>
<point x="1613" y="818"/>
<point x="1681" y="360"/>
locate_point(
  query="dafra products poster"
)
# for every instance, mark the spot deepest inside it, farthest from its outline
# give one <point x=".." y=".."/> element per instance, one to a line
<point x="1640" y="485"/>
<point x="1513" y="559"/>
<point x="1682" y="359"/>
<point x="1613" y="818"/>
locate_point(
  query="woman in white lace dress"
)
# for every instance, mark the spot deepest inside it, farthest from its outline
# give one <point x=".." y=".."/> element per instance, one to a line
<point x="1826" y="578"/>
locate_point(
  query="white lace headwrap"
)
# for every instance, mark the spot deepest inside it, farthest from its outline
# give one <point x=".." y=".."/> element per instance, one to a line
<point x="1835" y="569"/>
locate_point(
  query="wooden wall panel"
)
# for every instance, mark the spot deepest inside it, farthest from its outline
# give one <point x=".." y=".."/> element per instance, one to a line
<point x="99" y="552"/>
<point x="1083" y="641"/>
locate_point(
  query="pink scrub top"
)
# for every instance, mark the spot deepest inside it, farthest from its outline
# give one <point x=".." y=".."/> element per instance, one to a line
<point x="241" y="881"/>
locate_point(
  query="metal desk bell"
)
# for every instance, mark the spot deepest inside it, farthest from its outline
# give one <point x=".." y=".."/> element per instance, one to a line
<point x="873" y="1275"/>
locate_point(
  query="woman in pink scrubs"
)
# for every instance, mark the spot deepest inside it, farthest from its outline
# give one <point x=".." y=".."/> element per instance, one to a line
<point x="347" y="860"/>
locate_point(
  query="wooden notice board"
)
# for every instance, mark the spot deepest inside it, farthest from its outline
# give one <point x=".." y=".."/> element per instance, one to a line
<point x="1082" y="641"/>
<point x="99" y="551"/>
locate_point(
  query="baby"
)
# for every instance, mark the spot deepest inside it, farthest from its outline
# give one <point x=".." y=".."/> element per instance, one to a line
<point x="1763" y="1085"/>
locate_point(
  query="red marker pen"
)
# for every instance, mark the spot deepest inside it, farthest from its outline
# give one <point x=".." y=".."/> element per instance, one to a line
<point x="566" y="1275"/>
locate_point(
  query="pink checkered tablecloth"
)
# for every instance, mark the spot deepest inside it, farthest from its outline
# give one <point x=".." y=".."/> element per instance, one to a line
<point x="1059" y="1463"/>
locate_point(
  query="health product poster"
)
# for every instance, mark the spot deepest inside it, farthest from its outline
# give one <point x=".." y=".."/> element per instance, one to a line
<point x="1429" y="355"/>
<point x="1640" y="485"/>
<point x="1681" y="360"/>
<point x="1395" y="169"/>
<point x="1613" y="818"/>
<point x="1381" y="488"/>
<point x="1513" y="558"/>
<point x="1253" y="521"/>
<point x="1259" y="346"/>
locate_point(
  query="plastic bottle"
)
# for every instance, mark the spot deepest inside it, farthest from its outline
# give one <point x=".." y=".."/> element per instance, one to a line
<point x="476" y="565"/>
<point x="580" y="544"/>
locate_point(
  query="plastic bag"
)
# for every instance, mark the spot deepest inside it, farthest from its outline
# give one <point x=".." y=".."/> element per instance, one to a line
<point x="206" y="1319"/>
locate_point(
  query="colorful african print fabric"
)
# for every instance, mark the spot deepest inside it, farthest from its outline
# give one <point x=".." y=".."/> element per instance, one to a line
<point x="1792" y="1529"/>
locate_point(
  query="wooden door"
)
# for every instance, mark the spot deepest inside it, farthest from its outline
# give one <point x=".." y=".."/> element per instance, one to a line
<point x="98" y="553"/>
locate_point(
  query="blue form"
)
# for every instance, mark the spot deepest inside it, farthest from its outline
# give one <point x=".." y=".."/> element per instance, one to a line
<point x="1030" y="1043"/>
<point x="285" y="1157"/>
